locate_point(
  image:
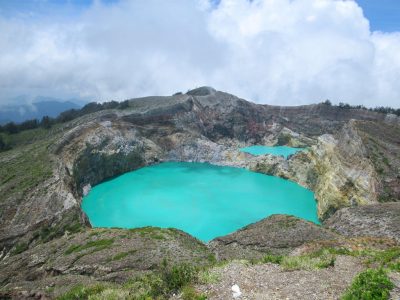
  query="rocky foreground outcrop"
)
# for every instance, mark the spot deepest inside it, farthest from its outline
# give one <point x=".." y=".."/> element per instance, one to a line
<point x="278" y="234"/>
<point x="378" y="220"/>
<point x="98" y="255"/>
<point x="116" y="256"/>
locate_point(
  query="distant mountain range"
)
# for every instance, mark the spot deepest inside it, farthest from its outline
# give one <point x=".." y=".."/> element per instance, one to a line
<point x="42" y="106"/>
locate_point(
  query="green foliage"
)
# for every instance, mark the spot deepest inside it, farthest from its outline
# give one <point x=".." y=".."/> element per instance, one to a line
<point x="383" y="258"/>
<point x="211" y="258"/>
<point x="151" y="232"/>
<point x="168" y="281"/>
<point x="327" y="102"/>
<point x="283" y="139"/>
<point x="11" y="128"/>
<point x="81" y="292"/>
<point x="123" y="104"/>
<point x="179" y="276"/>
<point x="189" y="293"/>
<point x="207" y="277"/>
<point x="369" y="285"/>
<point x="270" y="258"/>
<point x="112" y="294"/>
<point x="158" y="285"/>
<point x="46" y="122"/>
<point x="122" y="255"/>
<point x="380" y="109"/>
<point x="48" y="233"/>
<point x="68" y="115"/>
<point x="307" y="262"/>
<point x="344" y="105"/>
<point x="20" y="247"/>
<point x="317" y="260"/>
<point x="394" y="266"/>
<point x="28" y="167"/>
<point x="3" y="145"/>
<point x="97" y="245"/>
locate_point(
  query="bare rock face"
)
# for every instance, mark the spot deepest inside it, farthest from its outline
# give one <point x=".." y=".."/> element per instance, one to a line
<point x="345" y="175"/>
<point x="278" y="234"/>
<point x="378" y="220"/>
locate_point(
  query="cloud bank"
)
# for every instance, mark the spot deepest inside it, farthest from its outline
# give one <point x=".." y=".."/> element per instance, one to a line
<point x="286" y="52"/>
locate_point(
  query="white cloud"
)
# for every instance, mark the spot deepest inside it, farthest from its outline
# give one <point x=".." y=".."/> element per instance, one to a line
<point x="270" y="51"/>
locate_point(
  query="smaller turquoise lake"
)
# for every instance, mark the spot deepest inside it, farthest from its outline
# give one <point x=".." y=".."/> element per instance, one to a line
<point x="203" y="200"/>
<point x="284" y="151"/>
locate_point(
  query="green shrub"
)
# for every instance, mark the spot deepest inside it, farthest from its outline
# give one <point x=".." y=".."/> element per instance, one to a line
<point x="270" y="258"/>
<point x="369" y="285"/>
<point x="394" y="266"/>
<point x="112" y="294"/>
<point x="20" y="247"/>
<point x="308" y="262"/>
<point x="81" y="292"/>
<point x="160" y="285"/>
<point x="48" y="233"/>
<point x="189" y="293"/>
<point x="122" y="255"/>
<point x="283" y="139"/>
<point x="385" y="257"/>
<point x="179" y="276"/>
<point x="207" y="277"/>
<point x="97" y="244"/>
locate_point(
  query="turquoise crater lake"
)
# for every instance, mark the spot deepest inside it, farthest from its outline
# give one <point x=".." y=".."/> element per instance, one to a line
<point x="284" y="151"/>
<point x="203" y="200"/>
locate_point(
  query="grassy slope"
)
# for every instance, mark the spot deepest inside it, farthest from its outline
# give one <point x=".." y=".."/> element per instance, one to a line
<point x="27" y="164"/>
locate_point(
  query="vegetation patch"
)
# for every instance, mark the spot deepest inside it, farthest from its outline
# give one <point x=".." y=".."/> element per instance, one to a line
<point x="189" y="293"/>
<point x="151" y="232"/>
<point x="317" y="260"/>
<point x="307" y="262"/>
<point x="122" y="255"/>
<point x="20" y="247"/>
<point x="287" y="223"/>
<point x="161" y="285"/>
<point x="207" y="277"/>
<point x="284" y="139"/>
<point x="370" y="284"/>
<point x="28" y="167"/>
<point x="83" y="292"/>
<point x="97" y="245"/>
<point x="51" y="232"/>
<point x="274" y="259"/>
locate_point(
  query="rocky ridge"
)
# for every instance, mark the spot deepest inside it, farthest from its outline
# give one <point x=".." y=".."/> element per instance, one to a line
<point x="348" y="163"/>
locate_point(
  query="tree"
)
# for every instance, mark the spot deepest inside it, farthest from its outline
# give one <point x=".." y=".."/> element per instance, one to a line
<point x="11" y="128"/>
<point x="327" y="102"/>
<point x="124" y="104"/>
<point x="110" y="105"/>
<point x="46" y="122"/>
<point x="3" y="145"/>
<point x="68" y="115"/>
<point x="344" y="105"/>
<point x="29" y="124"/>
<point x="90" y="108"/>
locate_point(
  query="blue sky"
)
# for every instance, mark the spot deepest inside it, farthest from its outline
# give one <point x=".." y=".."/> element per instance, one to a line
<point x="287" y="52"/>
<point x="384" y="15"/>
